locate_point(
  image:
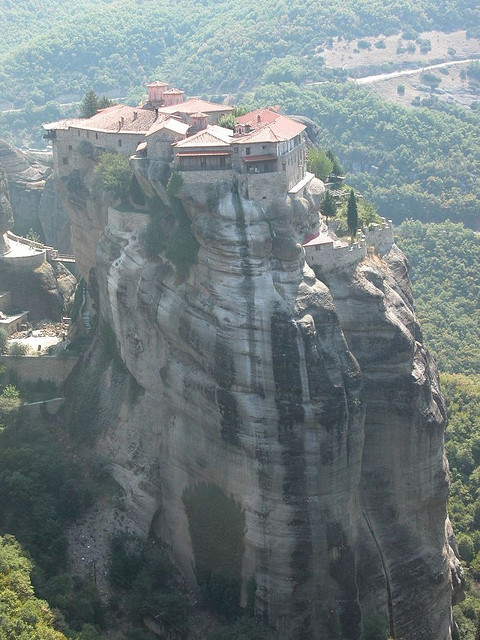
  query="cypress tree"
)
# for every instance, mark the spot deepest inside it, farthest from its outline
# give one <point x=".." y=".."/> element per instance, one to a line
<point x="328" y="206"/>
<point x="89" y="104"/>
<point x="352" y="214"/>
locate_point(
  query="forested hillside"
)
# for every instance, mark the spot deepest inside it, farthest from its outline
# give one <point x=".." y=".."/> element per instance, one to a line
<point x="422" y="163"/>
<point x="205" y="45"/>
<point x="445" y="262"/>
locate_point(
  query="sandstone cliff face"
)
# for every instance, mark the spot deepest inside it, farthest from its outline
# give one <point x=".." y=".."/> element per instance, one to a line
<point x="34" y="200"/>
<point x="299" y="418"/>
<point x="46" y="291"/>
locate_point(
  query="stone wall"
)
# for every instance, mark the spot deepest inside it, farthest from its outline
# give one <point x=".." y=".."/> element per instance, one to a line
<point x="262" y="186"/>
<point x="127" y="220"/>
<point x="33" y="368"/>
<point x="328" y="257"/>
<point x="379" y="236"/>
<point x="5" y="301"/>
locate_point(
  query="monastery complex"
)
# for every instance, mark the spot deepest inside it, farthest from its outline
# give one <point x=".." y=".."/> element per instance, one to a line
<point x="265" y="155"/>
<point x="186" y="134"/>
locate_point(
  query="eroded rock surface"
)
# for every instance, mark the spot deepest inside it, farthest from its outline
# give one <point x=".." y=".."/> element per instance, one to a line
<point x="285" y="432"/>
<point x="33" y="198"/>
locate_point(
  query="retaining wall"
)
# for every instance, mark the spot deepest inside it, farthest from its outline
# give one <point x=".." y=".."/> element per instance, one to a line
<point x="128" y="220"/>
<point x="379" y="236"/>
<point x="328" y="257"/>
<point x="33" y="368"/>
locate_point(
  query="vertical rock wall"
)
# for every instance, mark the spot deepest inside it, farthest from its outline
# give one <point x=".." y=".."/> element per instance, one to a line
<point x="307" y="410"/>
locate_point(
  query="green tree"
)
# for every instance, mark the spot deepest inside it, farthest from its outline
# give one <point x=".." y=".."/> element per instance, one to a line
<point x="228" y="120"/>
<point x="3" y="339"/>
<point x="22" y="614"/>
<point x="352" y="214"/>
<point x="115" y="175"/>
<point x="328" y="206"/>
<point x="337" y="168"/>
<point x="318" y="163"/>
<point x="89" y="105"/>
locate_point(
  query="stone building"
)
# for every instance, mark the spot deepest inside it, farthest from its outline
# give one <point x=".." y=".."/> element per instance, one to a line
<point x="266" y="154"/>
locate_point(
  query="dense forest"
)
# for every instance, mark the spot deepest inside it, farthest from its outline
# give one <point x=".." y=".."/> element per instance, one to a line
<point x="421" y="163"/>
<point x="209" y="46"/>
<point x="444" y="261"/>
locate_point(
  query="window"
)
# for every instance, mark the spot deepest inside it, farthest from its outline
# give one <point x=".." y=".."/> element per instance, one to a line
<point x="70" y="147"/>
<point x="96" y="136"/>
<point x="119" y="142"/>
<point x="78" y="132"/>
<point x="247" y="151"/>
<point x="64" y="160"/>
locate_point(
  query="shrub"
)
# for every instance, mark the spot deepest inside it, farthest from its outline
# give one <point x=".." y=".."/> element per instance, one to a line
<point x="174" y="184"/>
<point x="401" y="89"/>
<point x="375" y="626"/>
<point x="380" y="44"/>
<point x="3" y="340"/>
<point x="17" y="349"/>
<point x="431" y="79"/>
<point x="364" y="44"/>
<point x="11" y="392"/>
<point x="319" y="163"/>
<point x="115" y="175"/>
<point x="182" y="249"/>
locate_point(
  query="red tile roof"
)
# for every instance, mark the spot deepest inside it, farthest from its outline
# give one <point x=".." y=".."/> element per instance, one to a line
<point x="321" y="238"/>
<point x="212" y="136"/>
<point x="267" y="126"/>
<point x="259" y="116"/>
<point x="194" y="105"/>
<point x="135" y="119"/>
<point x="173" y="92"/>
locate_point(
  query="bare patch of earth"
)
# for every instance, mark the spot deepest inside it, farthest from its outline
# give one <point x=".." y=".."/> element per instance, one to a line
<point x="359" y="61"/>
<point x="453" y="88"/>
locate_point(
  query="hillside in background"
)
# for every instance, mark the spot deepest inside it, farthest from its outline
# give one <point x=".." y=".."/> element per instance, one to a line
<point x="420" y="162"/>
<point x="53" y="49"/>
<point x="444" y="267"/>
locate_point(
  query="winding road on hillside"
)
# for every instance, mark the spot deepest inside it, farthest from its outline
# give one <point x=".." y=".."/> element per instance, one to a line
<point x="408" y="72"/>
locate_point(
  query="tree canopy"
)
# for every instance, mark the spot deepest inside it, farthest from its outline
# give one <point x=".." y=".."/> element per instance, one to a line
<point x="352" y="214"/>
<point x="22" y="615"/>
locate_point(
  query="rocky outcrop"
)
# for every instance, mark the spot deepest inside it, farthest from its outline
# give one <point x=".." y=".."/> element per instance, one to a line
<point x="6" y="214"/>
<point x="34" y="201"/>
<point x="45" y="291"/>
<point x="299" y="416"/>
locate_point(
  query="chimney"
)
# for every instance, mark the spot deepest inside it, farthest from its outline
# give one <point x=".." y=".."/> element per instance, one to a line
<point x="135" y="114"/>
<point x="156" y="113"/>
<point x="122" y="121"/>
